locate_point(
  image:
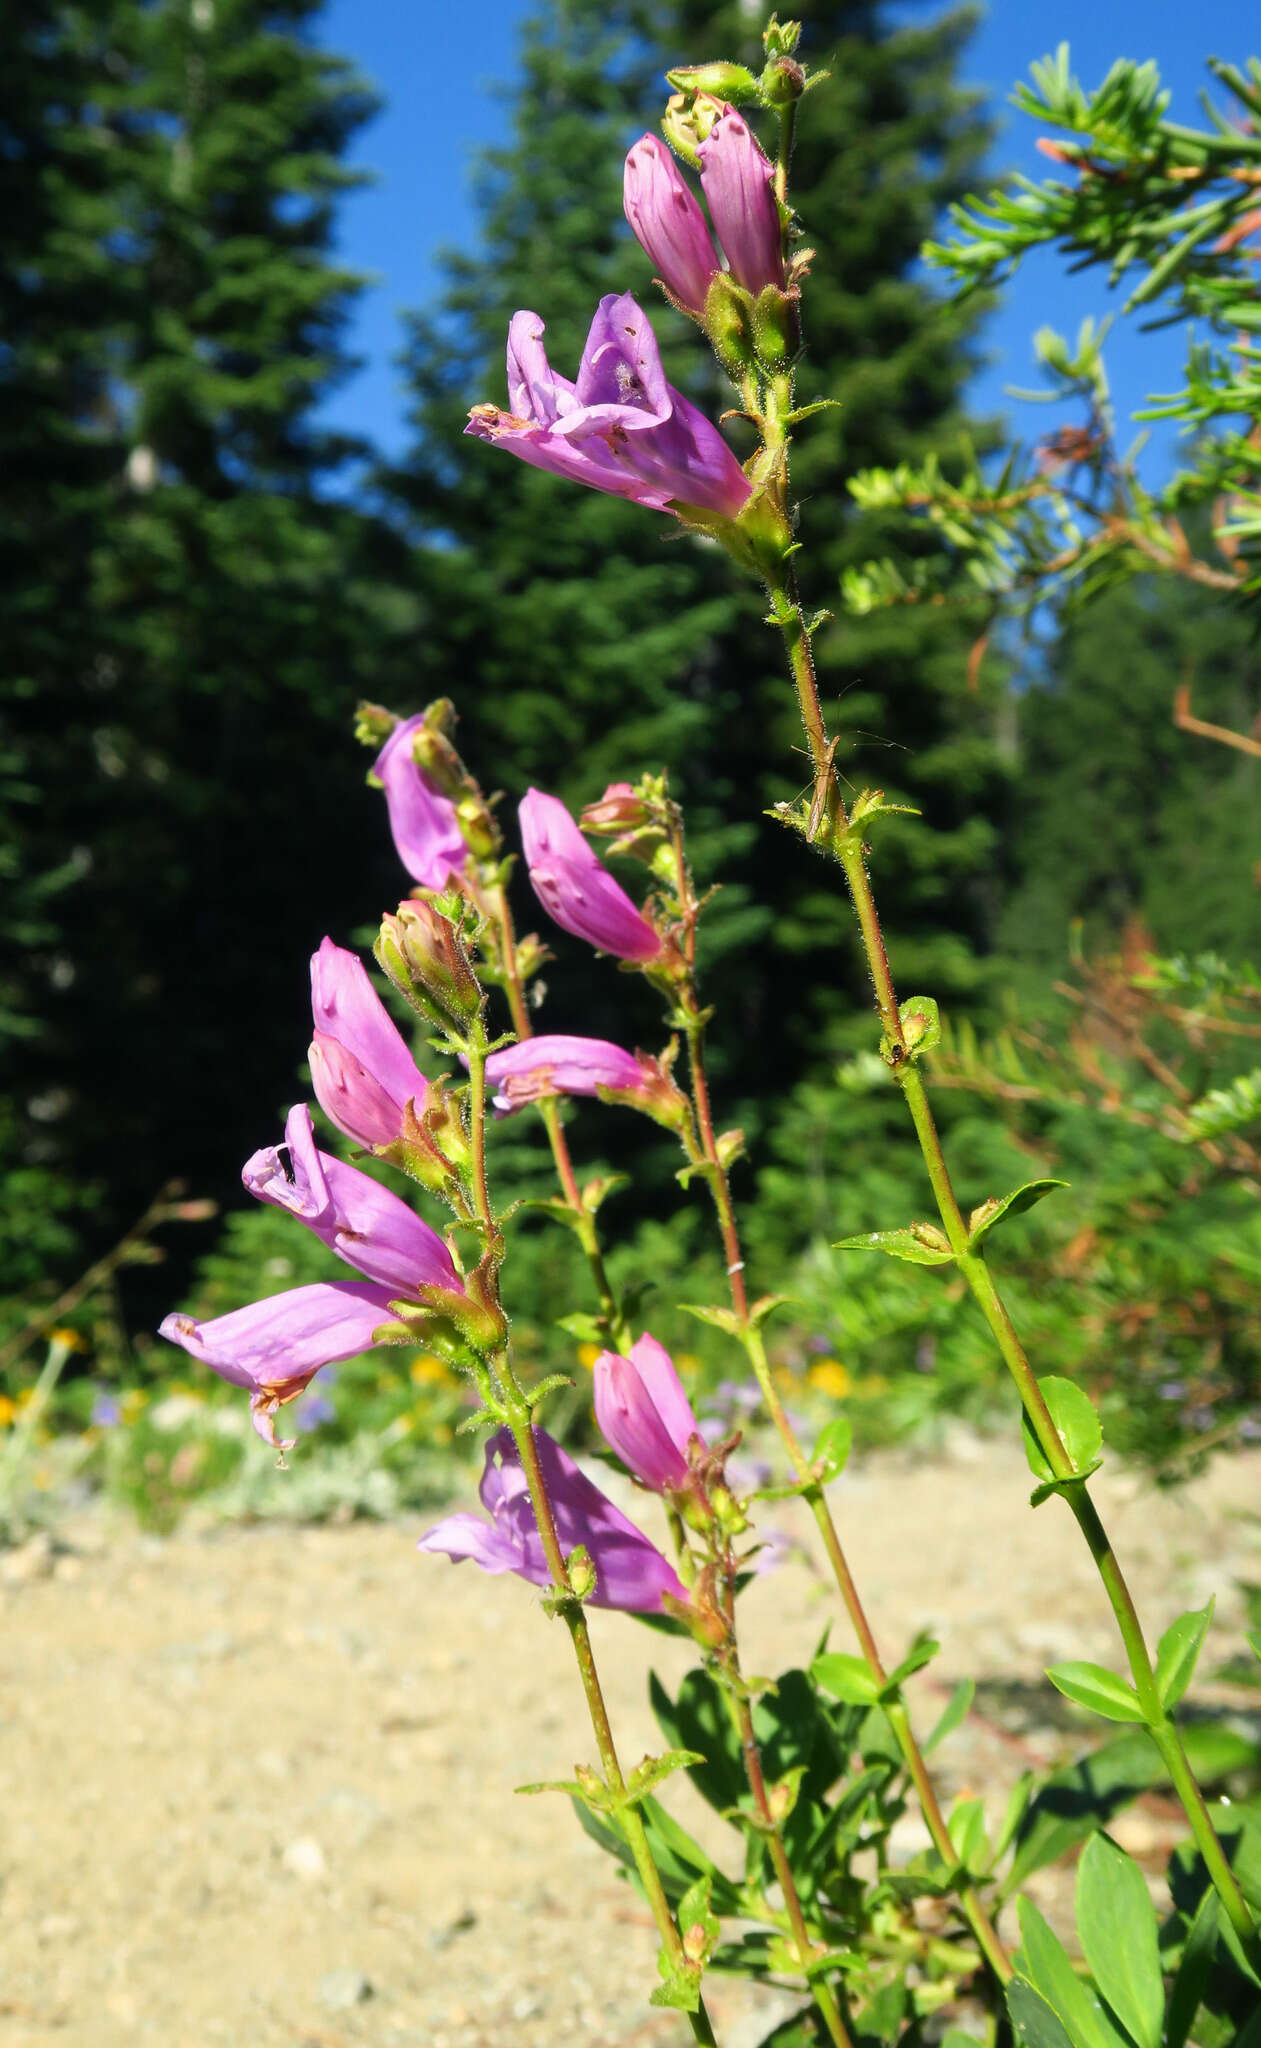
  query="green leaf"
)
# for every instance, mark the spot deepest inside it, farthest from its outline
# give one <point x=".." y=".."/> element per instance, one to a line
<point x="921" y="1245"/>
<point x="831" y="1452"/>
<point x="923" y="1653"/>
<point x="1192" y="1978"/>
<point x="587" y="1329"/>
<point x="654" y="1770"/>
<point x="699" y="1719"/>
<point x="1253" y="1640"/>
<point x="1045" y="1963"/>
<point x="1179" y="1649"/>
<point x="1119" y="1934"/>
<point x="1074" y="1416"/>
<point x="680" y="1986"/>
<point x="719" y="1318"/>
<point x="956" y="1707"/>
<point x="1102" y="1691"/>
<point x="966" y="1823"/>
<point x="846" y="1678"/>
<point x="537" y="1395"/>
<point x="987" y="1214"/>
<point x="1035" y="2023"/>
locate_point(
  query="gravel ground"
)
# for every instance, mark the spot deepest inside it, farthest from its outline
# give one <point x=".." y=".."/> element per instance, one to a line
<point x="256" y="1783"/>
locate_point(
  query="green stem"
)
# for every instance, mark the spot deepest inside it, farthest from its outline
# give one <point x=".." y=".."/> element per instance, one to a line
<point x="518" y="1418"/>
<point x="549" y="1109"/>
<point x="31" y="1416"/>
<point x="834" y="831"/>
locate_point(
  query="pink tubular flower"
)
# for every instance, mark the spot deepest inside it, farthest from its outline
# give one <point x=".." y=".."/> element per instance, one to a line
<point x="574" y="886"/>
<point x="423" y="821"/>
<point x="363" y="1075"/>
<point x="621" y="428"/>
<point x="668" y="222"/>
<point x="643" y="1413"/>
<point x="354" y="1215"/>
<point x="630" y="1571"/>
<point x="276" y="1347"/>
<point x="738" y="182"/>
<point x="553" y="1064"/>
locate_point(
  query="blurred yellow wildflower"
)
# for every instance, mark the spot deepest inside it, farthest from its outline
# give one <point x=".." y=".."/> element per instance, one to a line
<point x="830" y="1377"/>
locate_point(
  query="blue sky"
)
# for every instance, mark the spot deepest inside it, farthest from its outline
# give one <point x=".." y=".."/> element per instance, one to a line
<point x="422" y="146"/>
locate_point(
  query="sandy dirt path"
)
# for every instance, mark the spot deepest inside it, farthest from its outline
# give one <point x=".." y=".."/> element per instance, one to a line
<point x="256" y="1784"/>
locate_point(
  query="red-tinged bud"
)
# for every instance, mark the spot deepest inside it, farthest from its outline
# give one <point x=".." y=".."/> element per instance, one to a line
<point x="634" y="820"/>
<point x="373" y="724"/>
<point x="426" y="959"/>
<point x="725" y="81"/>
<point x="620" y="809"/>
<point x="782" y="82"/>
<point x="668" y="223"/>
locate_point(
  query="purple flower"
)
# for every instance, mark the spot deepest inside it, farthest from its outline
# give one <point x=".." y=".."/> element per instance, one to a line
<point x="574" y="886"/>
<point x="357" y="1218"/>
<point x="621" y="428"/>
<point x="631" y="1573"/>
<point x="553" y="1064"/>
<point x="424" y="822"/>
<point x="361" y="1071"/>
<point x="643" y="1413"/>
<point x="668" y="222"/>
<point x="106" y="1411"/>
<point x="738" y="182"/>
<point x="275" y="1347"/>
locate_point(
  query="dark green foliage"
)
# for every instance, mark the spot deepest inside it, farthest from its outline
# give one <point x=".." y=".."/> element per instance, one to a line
<point x="1122" y="815"/>
<point x="188" y="623"/>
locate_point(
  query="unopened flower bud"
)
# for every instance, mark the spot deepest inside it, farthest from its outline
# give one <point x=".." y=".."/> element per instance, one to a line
<point x="477" y="825"/>
<point x="425" y="957"/>
<point x="575" y="888"/>
<point x="782" y="82"/>
<point x="668" y="223"/>
<point x="581" y="1571"/>
<point x="620" y="809"/>
<point x="373" y="724"/>
<point x="738" y="181"/>
<point x="726" y="81"/>
<point x="780" y="38"/>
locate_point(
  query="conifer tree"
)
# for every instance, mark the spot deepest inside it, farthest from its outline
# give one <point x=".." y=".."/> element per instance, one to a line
<point x="189" y="619"/>
<point x="574" y="629"/>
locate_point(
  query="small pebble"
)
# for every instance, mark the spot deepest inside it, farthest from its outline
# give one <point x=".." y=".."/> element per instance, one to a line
<point x="305" y="1859"/>
<point x="342" y="1990"/>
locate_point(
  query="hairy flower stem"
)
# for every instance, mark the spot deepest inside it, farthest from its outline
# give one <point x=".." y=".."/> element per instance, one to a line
<point x="832" y="831"/>
<point x="751" y="1337"/>
<point x="619" y="1331"/>
<point x="518" y="1418"/>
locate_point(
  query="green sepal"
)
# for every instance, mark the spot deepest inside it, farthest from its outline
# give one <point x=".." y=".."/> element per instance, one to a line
<point x="921" y="1027"/>
<point x="597" y="1191"/>
<point x="654" y="1770"/>
<point x="921" y="1244"/>
<point x="680" y="1986"/>
<point x="1092" y="1686"/>
<point x="987" y="1214"/>
<point x="1081" y="1432"/>
<point x="1178" y="1652"/>
<point x="846" y="1677"/>
<point x="538" y="1394"/>
<point x="698" y="1924"/>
